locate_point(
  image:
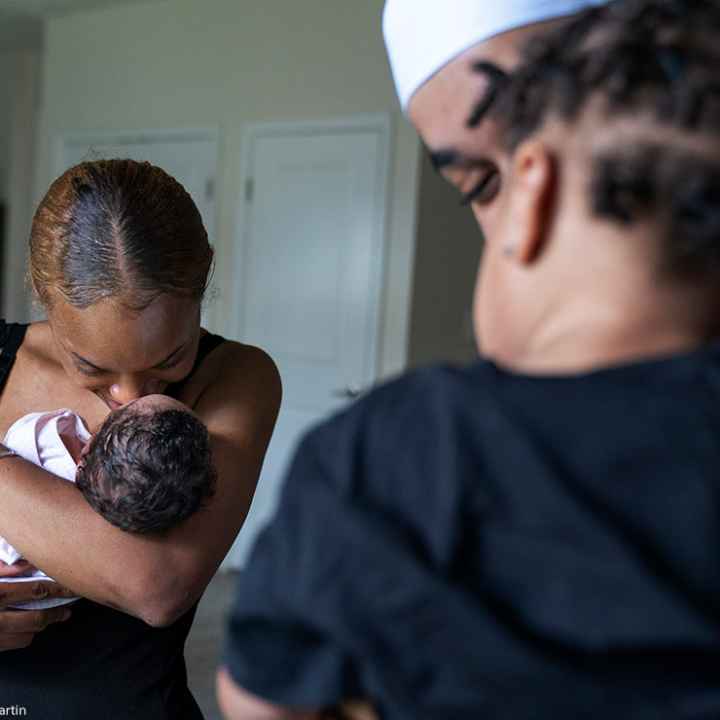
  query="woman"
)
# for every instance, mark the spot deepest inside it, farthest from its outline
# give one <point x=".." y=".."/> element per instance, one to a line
<point x="120" y="260"/>
<point x="536" y="535"/>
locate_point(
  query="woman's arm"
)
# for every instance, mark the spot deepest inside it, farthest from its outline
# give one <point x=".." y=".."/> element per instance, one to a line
<point x="156" y="578"/>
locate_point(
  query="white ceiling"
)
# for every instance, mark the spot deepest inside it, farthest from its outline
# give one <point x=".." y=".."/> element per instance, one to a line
<point x="46" y="8"/>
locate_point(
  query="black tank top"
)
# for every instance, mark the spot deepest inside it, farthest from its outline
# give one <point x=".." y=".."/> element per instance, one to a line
<point x="101" y="663"/>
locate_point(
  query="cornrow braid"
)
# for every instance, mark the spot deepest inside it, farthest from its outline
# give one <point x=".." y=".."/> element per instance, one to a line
<point x="654" y="63"/>
<point x="659" y="55"/>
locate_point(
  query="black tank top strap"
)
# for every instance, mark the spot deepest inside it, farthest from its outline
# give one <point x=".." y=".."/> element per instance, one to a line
<point x="11" y="337"/>
<point x="208" y="343"/>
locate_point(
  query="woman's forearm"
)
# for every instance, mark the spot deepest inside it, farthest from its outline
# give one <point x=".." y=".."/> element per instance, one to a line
<point x="51" y="524"/>
<point x="154" y="577"/>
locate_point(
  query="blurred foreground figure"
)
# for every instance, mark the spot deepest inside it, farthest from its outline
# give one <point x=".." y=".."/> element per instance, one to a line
<point x="534" y="536"/>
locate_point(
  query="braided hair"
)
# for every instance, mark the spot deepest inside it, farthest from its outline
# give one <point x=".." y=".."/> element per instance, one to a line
<point x="652" y="65"/>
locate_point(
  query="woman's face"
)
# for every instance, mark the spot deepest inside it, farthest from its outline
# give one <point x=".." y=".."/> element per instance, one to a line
<point x="121" y="355"/>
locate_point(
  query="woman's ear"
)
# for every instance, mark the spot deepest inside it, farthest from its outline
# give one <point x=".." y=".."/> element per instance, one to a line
<point x="530" y="200"/>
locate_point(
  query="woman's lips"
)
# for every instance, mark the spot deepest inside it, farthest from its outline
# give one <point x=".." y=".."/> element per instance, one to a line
<point x="110" y="403"/>
<point x="113" y="405"/>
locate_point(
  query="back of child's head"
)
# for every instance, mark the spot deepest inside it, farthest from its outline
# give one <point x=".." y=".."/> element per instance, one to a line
<point x="639" y="79"/>
<point x="146" y="471"/>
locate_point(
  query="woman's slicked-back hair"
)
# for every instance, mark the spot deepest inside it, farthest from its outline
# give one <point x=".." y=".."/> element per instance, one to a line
<point x="118" y="229"/>
<point x="647" y="70"/>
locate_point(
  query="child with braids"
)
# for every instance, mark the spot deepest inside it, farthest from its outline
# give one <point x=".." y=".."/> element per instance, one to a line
<point x="534" y="536"/>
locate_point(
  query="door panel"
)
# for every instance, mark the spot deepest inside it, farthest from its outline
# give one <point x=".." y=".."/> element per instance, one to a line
<point x="310" y="269"/>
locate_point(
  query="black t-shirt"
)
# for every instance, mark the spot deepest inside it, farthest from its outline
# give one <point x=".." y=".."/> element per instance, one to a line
<point x="475" y="543"/>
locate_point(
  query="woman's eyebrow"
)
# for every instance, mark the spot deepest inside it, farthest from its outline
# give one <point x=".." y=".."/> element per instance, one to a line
<point x="162" y="362"/>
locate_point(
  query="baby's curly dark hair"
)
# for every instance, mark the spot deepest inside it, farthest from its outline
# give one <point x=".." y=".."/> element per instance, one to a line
<point x="147" y="471"/>
<point x="654" y="66"/>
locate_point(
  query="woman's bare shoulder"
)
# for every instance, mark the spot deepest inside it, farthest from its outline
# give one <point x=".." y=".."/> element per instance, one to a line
<point x="235" y="373"/>
<point x="38" y="347"/>
<point x="37" y="380"/>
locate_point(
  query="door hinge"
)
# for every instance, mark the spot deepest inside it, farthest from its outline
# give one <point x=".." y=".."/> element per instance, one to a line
<point x="210" y="189"/>
<point x="249" y="189"/>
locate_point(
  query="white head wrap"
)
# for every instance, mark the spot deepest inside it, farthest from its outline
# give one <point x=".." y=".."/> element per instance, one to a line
<point x="422" y="36"/>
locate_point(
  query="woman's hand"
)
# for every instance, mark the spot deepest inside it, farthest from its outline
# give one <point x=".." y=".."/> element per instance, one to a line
<point x="19" y="569"/>
<point x="18" y="627"/>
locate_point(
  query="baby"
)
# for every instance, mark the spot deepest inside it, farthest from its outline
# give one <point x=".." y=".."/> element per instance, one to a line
<point x="147" y="468"/>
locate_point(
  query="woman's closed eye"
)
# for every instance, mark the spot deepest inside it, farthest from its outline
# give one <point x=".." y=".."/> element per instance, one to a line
<point x="88" y="370"/>
<point x="170" y="364"/>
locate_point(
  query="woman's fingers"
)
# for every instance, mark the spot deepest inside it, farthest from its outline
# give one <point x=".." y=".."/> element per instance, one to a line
<point x="18" y="627"/>
<point x="15" y="593"/>
<point x="15" y="641"/>
<point x="18" y="622"/>
<point x="18" y="569"/>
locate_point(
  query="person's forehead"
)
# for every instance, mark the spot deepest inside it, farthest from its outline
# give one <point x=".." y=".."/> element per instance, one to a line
<point x="441" y="107"/>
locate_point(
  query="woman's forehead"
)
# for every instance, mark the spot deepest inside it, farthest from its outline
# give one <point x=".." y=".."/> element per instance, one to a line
<point x="112" y="337"/>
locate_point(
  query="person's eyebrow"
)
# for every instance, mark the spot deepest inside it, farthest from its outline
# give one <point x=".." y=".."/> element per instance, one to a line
<point x="84" y="361"/>
<point x="441" y="159"/>
<point x="497" y="81"/>
<point x="445" y="158"/>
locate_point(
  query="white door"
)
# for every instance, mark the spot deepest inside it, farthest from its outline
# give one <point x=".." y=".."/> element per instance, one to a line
<point x="310" y="271"/>
<point x="189" y="156"/>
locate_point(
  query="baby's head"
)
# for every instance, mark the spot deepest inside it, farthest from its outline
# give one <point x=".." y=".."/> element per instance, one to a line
<point x="149" y="466"/>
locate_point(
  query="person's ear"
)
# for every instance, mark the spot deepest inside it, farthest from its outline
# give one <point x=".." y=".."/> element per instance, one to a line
<point x="530" y="201"/>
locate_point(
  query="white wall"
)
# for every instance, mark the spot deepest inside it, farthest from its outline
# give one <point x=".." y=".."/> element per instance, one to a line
<point x="20" y="67"/>
<point x="226" y="63"/>
<point x="25" y="94"/>
<point x="17" y="35"/>
<point x="447" y="253"/>
<point x="6" y="89"/>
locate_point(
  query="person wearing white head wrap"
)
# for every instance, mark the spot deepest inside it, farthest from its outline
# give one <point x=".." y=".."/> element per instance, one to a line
<point x="448" y="59"/>
<point x="422" y="36"/>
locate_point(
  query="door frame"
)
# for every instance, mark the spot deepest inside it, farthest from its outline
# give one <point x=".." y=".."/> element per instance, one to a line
<point x="134" y="137"/>
<point x="63" y="140"/>
<point x="145" y="137"/>
<point x="379" y="123"/>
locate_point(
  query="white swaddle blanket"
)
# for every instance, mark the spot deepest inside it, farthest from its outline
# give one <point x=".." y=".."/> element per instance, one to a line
<point x="37" y="438"/>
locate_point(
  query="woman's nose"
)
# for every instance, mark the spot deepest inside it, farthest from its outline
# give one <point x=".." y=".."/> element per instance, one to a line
<point x="130" y="388"/>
